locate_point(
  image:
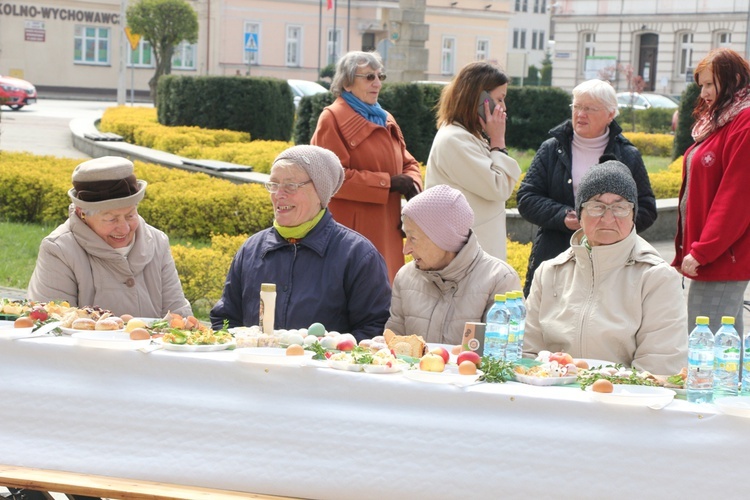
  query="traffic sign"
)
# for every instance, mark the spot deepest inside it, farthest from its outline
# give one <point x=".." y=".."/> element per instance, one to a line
<point x="251" y="42"/>
<point x="132" y="38"/>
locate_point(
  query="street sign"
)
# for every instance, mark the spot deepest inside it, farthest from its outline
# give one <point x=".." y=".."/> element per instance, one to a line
<point x="132" y="38"/>
<point x="251" y="42"/>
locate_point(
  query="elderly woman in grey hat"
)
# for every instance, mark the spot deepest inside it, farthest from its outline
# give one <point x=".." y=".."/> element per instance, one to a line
<point x="450" y="280"/>
<point x="324" y="272"/>
<point x="610" y="296"/>
<point x="105" y="254"/>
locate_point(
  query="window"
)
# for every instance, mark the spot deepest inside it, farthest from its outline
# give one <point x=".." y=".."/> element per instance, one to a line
<point x="685" y="56"/>
<point x="537" y="40"/>
<point x="184" y="56"/>
<point x="448" y="59"/>
<point x="540" y="6"/>
<point x="522" y="5"/>
<point x="91" y="45"/>
<point x="141" y="57"/>
<point x="251" y="57"/>
<point x="589" y="45"/>
<point x="333" y="48"/>
<point x="483" y="49"/>
<point x="293" y="39"/>
<point x="519" y="38"/>
<point x="723" y="39"/>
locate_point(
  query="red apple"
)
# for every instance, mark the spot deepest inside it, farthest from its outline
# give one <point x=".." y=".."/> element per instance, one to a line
<point x="39" y="314"/>
<point x="562" y="358"/>
<point x="431" y="362"/>
<point x="346" y="345"/>
<point x="442" y="353"/>
<point x="469" y="356"/>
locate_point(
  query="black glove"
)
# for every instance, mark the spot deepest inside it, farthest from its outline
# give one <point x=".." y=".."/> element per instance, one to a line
<point x="402" y="183"/>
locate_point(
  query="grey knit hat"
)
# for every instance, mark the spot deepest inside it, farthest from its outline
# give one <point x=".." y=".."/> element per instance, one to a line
<point x="106" y="183"/>
<point x="443" y="214"/>
<point x="611" y="176"/>
<point x="322" y="165"/>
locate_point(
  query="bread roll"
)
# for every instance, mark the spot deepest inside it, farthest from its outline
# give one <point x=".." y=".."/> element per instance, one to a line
<point x="139" y="334"/>
<point x="106" y="324"/>
<point x="119" y="321"/>
<point x="83" y="324"/>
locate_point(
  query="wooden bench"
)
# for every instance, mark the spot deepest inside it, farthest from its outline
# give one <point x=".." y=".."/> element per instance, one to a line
<point x="112" y="487"/>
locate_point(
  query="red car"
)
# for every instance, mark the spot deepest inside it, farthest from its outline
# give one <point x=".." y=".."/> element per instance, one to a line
<point x="16" y="93"/>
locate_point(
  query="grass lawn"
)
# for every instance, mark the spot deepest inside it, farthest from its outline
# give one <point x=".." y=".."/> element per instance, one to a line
<point x="653" y="163"/>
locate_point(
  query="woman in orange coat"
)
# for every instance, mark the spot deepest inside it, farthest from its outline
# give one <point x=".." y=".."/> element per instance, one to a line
<point x="369" y="143"/>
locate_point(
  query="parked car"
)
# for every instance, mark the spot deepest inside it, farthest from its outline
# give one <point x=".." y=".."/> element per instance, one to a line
<point x="645" y="100"/>
<point x="303" y="88"/>
<point x="16" y="93"/>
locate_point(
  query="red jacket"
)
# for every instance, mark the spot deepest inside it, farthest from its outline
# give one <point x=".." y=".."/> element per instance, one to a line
<point x="717" y="218"/>
<point x="371" y="155"/>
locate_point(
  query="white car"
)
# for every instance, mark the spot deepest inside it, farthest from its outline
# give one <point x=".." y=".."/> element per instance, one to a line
<point x="302" y="88"/>
<point x="645" y="101"/>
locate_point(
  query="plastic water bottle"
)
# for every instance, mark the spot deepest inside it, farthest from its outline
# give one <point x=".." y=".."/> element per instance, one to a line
<point x="514" y="319"/>
<point x="746" y="366"/>
<point x="700" y="362"/>
<point x="496" y="332"/>
<point x="726" y="359"/>
<point x="522" y="321"/>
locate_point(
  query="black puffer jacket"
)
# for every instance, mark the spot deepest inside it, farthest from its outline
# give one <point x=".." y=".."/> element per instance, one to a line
<point x="546" y="193"/>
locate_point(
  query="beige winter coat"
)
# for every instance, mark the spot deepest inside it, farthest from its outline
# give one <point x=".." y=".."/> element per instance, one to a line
<point x="76" y="265"/>
<point x="437" y="304"/>
<point x="464" y="162"/>
<point x="620" y="303"/>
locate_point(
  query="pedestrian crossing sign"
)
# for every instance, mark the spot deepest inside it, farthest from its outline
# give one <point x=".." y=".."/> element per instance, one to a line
<point x="251" y="42"/>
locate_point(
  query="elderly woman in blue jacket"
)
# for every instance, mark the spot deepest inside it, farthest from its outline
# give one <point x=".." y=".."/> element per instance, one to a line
<point x="323" y="271"/>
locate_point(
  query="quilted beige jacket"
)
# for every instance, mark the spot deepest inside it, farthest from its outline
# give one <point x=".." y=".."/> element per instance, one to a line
<point x="76" y="265"/>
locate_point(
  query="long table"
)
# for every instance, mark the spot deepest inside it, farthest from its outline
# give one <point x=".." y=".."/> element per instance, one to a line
<point x="206" y="419"/>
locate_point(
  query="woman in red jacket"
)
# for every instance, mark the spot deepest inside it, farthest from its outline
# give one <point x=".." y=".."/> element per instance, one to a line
<point x="369" y="143"/>
<point x="713" y="234"/>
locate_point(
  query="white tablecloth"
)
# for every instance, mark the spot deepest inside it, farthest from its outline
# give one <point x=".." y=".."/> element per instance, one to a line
<point x="313" y="432"/>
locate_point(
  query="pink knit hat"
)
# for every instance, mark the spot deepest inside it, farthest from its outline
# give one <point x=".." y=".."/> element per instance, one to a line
<point x="443" y="214"/>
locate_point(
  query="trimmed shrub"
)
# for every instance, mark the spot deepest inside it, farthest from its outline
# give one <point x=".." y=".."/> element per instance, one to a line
<point x="651" y="144"/>
<point x="667" y="183"/>
<point x="683" y="138"/>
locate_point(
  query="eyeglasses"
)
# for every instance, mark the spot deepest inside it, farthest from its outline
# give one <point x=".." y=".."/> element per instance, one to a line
<point x="288" y="187"/>
<point x="598" y="209"/>
<point x="372" y="76"/>
<point x="584" y="109"/>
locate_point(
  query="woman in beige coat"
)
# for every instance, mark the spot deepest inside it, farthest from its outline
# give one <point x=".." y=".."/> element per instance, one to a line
<point x="105" y="254"/>
<point x="451" y="279"/>
<point x="609" y="297"/>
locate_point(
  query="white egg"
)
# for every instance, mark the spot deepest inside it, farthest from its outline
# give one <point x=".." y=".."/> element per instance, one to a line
<point x="294" y="338"/>
<point x="332" y="334"/>
<point x="329" y="342"/>
<point x="310" y="339"/>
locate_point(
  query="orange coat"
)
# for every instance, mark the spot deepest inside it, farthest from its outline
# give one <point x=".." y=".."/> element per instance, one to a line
<point x="371" y="155"/>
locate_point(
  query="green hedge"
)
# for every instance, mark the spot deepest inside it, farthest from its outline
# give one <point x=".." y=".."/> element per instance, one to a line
<point x="262" y="106"/>
<point x="683" y="138"/>
<point x="532" y="112"/>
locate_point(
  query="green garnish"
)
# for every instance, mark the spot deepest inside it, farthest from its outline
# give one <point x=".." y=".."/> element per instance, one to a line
<point x="319" y="350"/>
<point x="587" y="377"/>
<point x="496" y="370"/>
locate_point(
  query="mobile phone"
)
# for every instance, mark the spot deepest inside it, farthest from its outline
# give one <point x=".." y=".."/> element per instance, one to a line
<point x="482" y="97"/>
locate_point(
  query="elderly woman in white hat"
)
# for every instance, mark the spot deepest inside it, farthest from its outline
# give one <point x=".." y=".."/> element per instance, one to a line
<point x="324" y="272"/>
<point x="105" y="254"/>
<point x="451" y="280"/>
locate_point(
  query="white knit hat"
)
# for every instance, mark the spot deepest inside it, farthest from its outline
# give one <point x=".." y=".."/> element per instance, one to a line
<point x="106" y="183"/>
<point x="443" y="214"/>
<point x="322" y="165"/>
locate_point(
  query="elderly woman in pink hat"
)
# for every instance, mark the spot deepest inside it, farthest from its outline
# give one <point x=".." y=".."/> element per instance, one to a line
<point x="105" y="254"/>
<point x="450" y="280"/>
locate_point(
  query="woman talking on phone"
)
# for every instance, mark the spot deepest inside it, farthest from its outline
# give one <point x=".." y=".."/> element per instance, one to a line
<point x="469" y="151"/>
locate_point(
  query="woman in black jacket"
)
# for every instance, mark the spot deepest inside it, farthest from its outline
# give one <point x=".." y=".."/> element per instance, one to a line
<point x="547" y="193"/>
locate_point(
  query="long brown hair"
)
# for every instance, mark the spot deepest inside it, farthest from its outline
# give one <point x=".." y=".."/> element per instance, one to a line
<point x="731" y="73"/>
<point x="460" y="98"/>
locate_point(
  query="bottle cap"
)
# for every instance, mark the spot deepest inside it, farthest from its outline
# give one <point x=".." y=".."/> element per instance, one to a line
<point x="499" y="297"/>
<point x="701" y="320"/>
<point x="727" y="320"/>
<point x="268" y="287"/>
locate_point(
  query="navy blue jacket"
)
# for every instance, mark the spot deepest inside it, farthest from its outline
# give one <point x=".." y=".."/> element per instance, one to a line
<point x="333" y="276"/>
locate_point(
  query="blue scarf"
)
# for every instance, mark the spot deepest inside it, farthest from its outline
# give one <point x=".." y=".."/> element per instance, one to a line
<point x="370" y="112"/>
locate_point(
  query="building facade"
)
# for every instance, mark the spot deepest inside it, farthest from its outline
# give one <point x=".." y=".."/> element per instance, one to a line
<point x="660" y="41"/>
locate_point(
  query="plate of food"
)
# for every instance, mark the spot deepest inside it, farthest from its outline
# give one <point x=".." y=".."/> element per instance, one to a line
<point x="272" y="356"/>
<point x="394" y="368"/>
<point x="448" y="376"/>
<point x="739" y="406"/>
<point x="633" y="395"/>
<point x="9" y="331"/>
<point x="544" y="381"/>
<point x="109" y="324"/>
<point x="108" y="340"/>
<point x="186" y="347"/>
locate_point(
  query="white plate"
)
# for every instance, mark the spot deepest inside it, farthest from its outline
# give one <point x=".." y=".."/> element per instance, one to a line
<point x="445" y="377"/>
<point x="9" y="332"/>
<point x="739" y="406"/>
<point x="634" y="395"/>
<point x="397" y="367"/>
<point x="544" y="381"/>
<point x="71" y="331"/>
<point x="108" y="340"/>
<point x="194" y="348"/>
<point x="594" y="363"/>
<point x="271" y="355"/>
<point x="345" y="365"/>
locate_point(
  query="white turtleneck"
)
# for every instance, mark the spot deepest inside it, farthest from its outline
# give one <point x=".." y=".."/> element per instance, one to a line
<point x="586" y="153"/>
